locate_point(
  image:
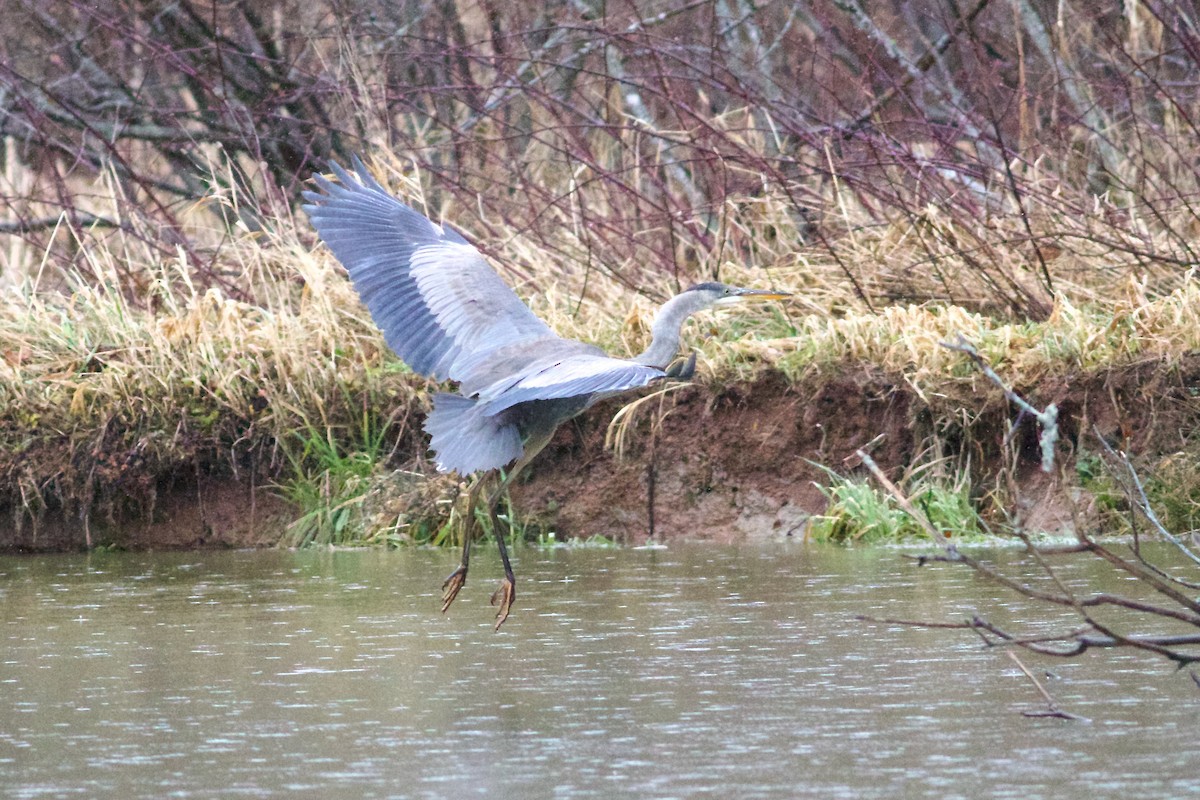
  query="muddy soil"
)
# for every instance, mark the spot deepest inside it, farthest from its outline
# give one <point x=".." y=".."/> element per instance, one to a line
<point x="184" y="515"/>
<point x="734" y="463"/>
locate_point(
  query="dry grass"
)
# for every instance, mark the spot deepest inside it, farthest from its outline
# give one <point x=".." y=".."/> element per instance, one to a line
<point x="1078" y="337"/>
<point x="109" y="384"/>
<point x="103" y="395"/>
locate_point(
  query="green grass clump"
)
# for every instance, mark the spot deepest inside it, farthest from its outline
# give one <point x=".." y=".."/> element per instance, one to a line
<point x="330" y="479"/>
<point x="1172" y="485"/>
<point x="1112" y="506"/>
<point x="858" y="512"/>
<point x="449" y="530"/>
<point x="1174" y="492"/>
<point x="396" y="508"/>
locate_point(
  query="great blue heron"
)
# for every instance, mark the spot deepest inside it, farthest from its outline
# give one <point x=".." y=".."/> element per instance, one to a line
<point x="448" y="315"/>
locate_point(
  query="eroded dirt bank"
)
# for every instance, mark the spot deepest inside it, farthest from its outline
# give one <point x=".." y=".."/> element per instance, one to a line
<point x="742" y="463"/>
<point x="734" y="463"/>
<point x="186" y="513"/>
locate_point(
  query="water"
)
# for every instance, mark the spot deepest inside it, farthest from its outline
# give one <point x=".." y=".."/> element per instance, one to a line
<point x="694" y="671"/>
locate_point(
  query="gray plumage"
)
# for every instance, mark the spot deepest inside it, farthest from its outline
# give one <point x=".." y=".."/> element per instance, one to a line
<point x="447" y="314"/>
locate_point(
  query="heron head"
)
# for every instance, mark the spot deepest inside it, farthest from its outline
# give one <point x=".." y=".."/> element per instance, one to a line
<point x="722" y="294"/>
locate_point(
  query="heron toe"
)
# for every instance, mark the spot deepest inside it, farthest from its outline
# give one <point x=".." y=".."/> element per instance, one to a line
<point x="452" y="586"/>
<point x="503" y="598"/>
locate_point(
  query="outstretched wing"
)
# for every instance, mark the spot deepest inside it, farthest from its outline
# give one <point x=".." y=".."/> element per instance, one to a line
<point x="432" y="294"/>
<point x="580" y="375"/>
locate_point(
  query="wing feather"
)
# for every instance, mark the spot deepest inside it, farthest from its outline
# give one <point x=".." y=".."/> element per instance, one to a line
<point x="578" y="375"/>
<point x="432" y="294"/>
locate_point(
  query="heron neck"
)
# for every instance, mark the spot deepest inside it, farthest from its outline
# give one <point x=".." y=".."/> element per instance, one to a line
<point x="664" y="333"/>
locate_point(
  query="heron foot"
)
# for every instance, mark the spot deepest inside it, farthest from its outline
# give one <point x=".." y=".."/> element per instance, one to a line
<point x="684" y="369"/>
<point x="452" y="586"/>
<point x="503" y="598"/>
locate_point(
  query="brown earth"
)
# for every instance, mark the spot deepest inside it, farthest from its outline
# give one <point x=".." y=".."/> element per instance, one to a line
<point x="733" y="464"/>
<point x="184" y="515"/>
<point x="728" y="465"/>
<point x="741" y="463"/>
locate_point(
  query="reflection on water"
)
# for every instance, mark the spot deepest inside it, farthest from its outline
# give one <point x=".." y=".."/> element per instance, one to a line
<point x="688" y="671"/>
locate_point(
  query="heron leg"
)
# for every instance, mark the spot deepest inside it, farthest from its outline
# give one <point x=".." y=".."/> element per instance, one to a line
<point x="458" y="579"/>
<point x="506" y="593"/>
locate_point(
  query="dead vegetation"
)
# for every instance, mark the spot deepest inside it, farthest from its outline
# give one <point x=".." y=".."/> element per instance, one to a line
<point x="972" y="171"/>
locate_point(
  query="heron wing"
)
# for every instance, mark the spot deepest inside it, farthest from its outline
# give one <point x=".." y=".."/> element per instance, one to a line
<point x="431" y="293"/>
<point x="580" y="375"/>
<point x="486" y="373"/>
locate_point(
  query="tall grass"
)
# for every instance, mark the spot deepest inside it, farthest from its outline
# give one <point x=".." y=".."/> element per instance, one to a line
<point x="95" y="386"/>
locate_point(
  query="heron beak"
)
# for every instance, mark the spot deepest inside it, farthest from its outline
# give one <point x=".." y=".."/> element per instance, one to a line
<point x="756" y="295"/>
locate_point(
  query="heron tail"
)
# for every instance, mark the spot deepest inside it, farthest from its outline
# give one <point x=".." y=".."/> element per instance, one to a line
<point x="465" y="439"/>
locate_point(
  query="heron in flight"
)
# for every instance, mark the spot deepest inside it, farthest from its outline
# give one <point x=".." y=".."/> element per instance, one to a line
<point x="448" y="315"/>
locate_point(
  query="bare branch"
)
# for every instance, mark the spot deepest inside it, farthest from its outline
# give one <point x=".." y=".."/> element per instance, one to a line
<point x="80" y="219"/>
<point x="1052" y="707"/>
<point x="1047" y="418"/>
<point x="1142" y="503"/>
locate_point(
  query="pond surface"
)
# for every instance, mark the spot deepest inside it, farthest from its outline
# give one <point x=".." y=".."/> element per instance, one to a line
<point x="692" y="671"/>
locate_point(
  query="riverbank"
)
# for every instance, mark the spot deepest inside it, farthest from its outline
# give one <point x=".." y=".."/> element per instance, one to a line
<point x="205" y="421"/>
<point x="183" y="364"/>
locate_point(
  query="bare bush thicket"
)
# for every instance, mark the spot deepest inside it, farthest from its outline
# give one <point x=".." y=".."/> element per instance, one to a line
<point x="985" y="153"/>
